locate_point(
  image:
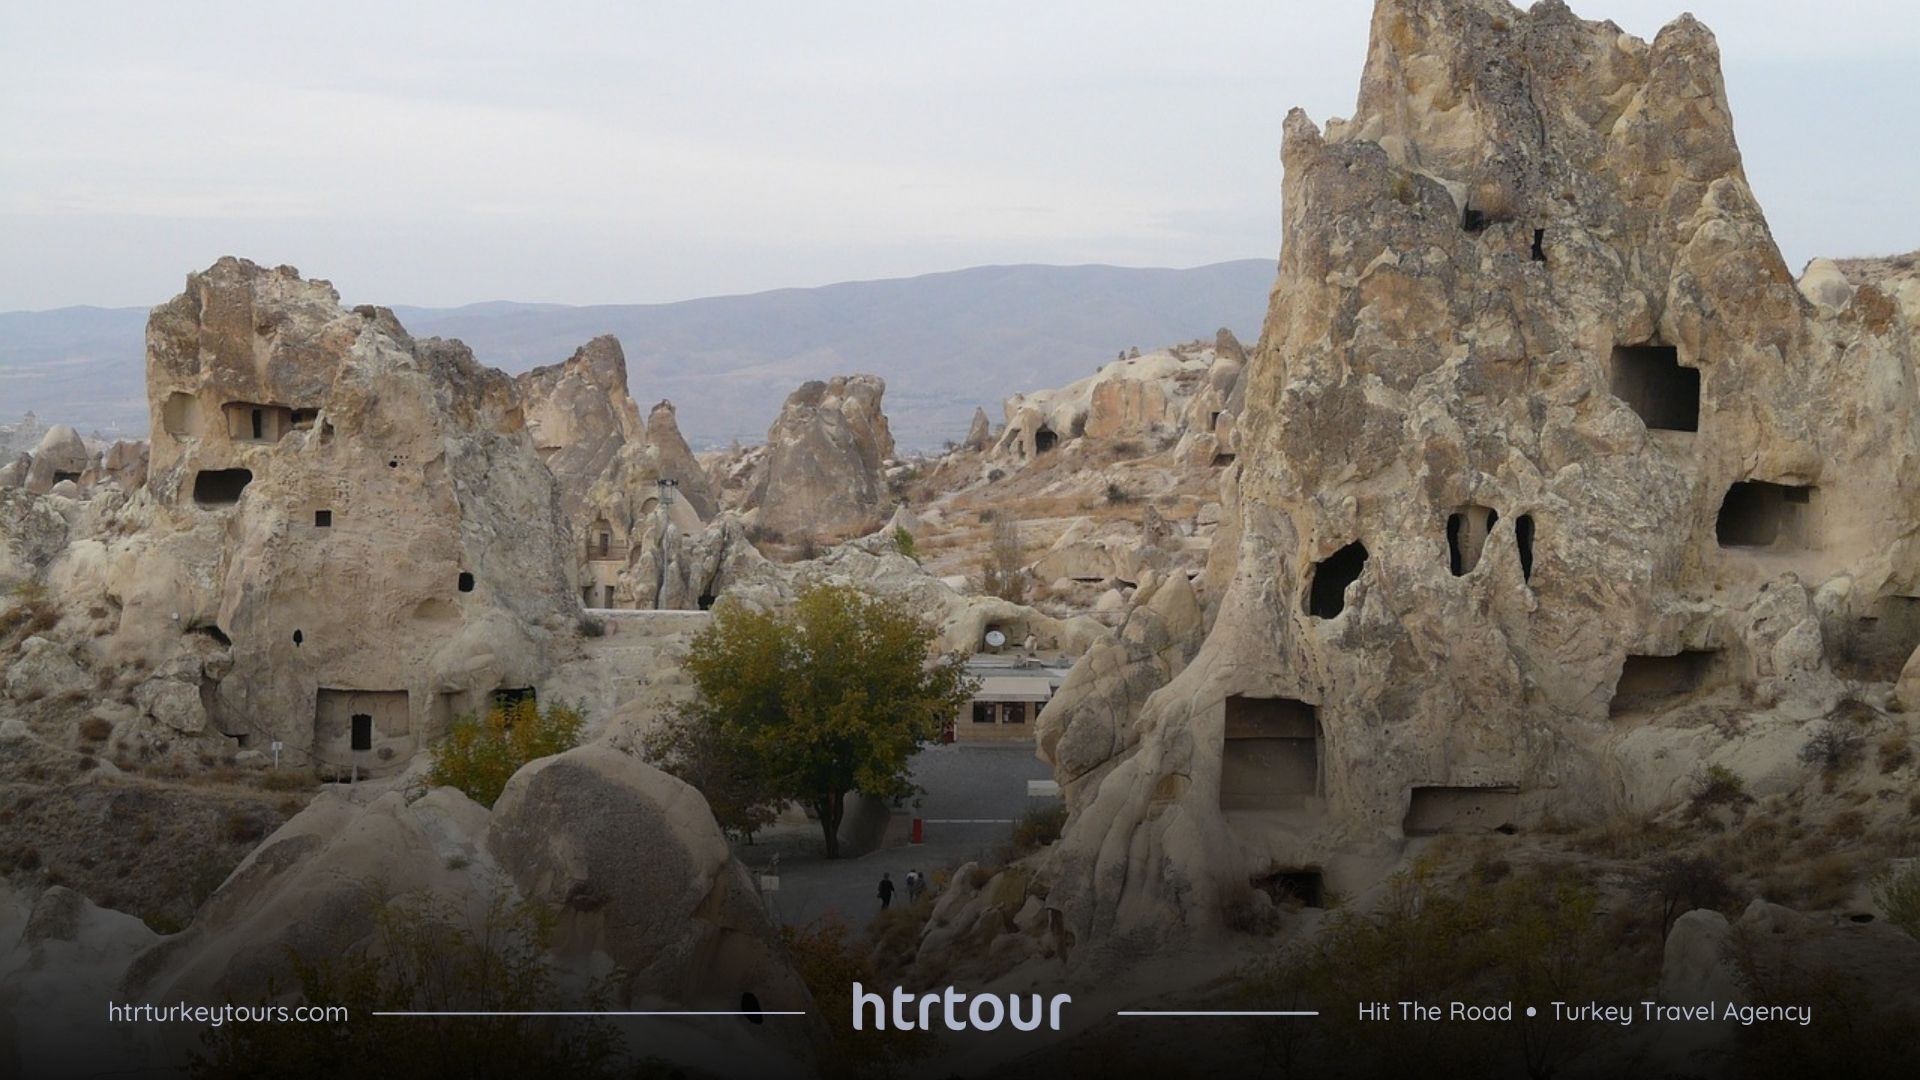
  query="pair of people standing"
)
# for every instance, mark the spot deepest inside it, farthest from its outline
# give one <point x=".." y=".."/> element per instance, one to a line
<point x="916" y="885"/>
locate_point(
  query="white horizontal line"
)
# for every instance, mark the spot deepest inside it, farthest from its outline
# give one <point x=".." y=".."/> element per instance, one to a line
<point x="659" y="1012"/>
<point x="1142" y="1012"/>
<point x="968" y="820"/>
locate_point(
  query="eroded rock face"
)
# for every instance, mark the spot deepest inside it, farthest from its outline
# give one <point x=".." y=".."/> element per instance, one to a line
<point x="346" y="537"/>
<point x="580" y="416"/>
<point x="823" y="468"/>
<point x="1540" y="428"/>
<point x="1141" y="397"/>
<point x="675" y="460"/>
<point x="631" y="492"/>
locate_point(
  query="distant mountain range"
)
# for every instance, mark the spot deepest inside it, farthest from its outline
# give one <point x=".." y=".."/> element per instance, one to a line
<point x="944" y="342"/>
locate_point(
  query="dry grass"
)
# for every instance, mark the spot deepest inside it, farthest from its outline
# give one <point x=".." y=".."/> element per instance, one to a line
<point x="1896" y="753"/>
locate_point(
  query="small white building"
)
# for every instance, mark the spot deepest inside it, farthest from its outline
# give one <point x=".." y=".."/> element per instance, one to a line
<point x="1006" y="705"/>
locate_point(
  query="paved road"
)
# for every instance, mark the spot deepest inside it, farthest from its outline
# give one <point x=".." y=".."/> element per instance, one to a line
<point x="973" y="795"/>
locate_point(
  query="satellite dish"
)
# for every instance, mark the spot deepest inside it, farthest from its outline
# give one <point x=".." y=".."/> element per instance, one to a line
<point x="996" y="639"/>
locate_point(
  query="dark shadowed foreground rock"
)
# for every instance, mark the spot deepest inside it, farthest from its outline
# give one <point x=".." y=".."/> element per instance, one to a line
<point x="632" y="860"/>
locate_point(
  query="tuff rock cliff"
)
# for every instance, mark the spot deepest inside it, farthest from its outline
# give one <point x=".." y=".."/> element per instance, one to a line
<point x="1542" y="440"/>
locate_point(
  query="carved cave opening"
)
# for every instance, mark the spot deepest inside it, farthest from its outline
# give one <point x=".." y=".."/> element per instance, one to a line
<point x="1467" y="530"/>
<point x="1523" y="540"/>
<point x="1271" y="759"/>
<point x="1439" y="809"/>
<point x="180" y="415"/>
<point x="1652" y="382"/>
<point x="1648" y="683"/>
<point x="1288" y="888"/>
<point x="1327" y="591"/>
<point x="1755" y="513"/>
<point x="1876" y="645"/>
<point x="220" y="487"/>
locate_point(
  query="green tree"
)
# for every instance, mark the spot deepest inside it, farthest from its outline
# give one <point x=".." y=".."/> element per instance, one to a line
<point x="832" y="694"/>
<point x="737" y="783"/>
<point x="480" y="754"/>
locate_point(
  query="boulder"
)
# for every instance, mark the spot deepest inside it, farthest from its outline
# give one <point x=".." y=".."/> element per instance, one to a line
<point x="1698" y="963"/>
<point x="636" y="867"/>
<point x="60" y="965"/>
<point x="44" y="669"/>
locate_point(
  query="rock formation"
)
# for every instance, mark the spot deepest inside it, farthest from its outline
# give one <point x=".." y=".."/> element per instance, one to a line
<point x="1540" y="439"/>
<point x="345" y="540"/>
<point x="61" y="456"/>
<point x="1148" y="399"/>
<point x="580" y="416"/>
<point x="822" y="472"/>
<point x="676" y="462"/>
<point x="979" y="432"/>
<point x="632" y="493"/>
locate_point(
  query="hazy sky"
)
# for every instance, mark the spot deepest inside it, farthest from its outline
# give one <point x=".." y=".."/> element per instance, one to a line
<point x="588" y="153"/>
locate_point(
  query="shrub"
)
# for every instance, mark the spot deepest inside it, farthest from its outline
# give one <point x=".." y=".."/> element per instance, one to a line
<point x="903" y="542"/>
<point x="1718" y="785"/>
<point x="481" y="753"/>
<point x="1895" y="753"/>
<point x="1041" y="826"/>
<point x="1848" y="825"/>
<point x="1897" y="894"/>
<point x="1831" y="748"/>
<point x="592" y="626"/>
<point x="829" y="961"/>
<point x="94" y="729"/>
<point x="1682" y="883"/>
<point x="1118" y="495"/>
<point x="243" y="828"/>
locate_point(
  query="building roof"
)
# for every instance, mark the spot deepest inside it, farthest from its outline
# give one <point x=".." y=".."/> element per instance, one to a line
<point x="1014" y="688"/>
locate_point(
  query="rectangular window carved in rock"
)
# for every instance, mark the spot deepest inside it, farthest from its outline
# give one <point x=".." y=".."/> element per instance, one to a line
<point x="1271" y="760"/>
<point x="1651" y="380"/>
<point x="1757" y="514"/>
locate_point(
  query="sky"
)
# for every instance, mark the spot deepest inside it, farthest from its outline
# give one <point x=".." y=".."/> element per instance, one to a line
<point x="441" y="154"/>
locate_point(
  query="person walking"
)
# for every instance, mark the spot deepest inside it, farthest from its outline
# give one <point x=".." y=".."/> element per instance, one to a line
<point x="886" y="891"/>
<point x="916" y="884"/>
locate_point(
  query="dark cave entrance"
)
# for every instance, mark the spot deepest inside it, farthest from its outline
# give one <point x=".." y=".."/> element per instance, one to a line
<point x="220" y="487"/>
<point x="1287" y="888"/>
<point x="1327" y="592"/>
<point x="1647" y="683"/>
<point x="1755" y="513"/>
<point x="1651" y="380"/>
<point x="1467" y="530"/>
